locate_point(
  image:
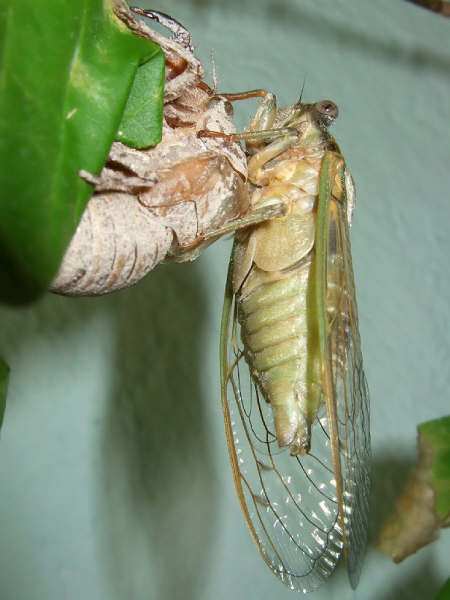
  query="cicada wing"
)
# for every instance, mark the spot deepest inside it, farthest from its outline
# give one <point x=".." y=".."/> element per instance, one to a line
<point x="289" y="502"/>
<point x="348" y="380"/>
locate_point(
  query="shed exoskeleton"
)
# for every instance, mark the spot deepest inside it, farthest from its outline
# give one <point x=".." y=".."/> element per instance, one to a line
<point x="165" y="202"/>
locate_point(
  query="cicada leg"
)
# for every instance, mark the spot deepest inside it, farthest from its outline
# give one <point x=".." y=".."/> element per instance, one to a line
<point x="254" y="137"/>
<point x="183" y="70"/>
<point x="283" y="138"/>
<point x="259" y="131"/>
<point x="259" y="128"/>
<point x="270" y="208"/>
<point x="266" y="111"/>
<point x="179" y="33"/>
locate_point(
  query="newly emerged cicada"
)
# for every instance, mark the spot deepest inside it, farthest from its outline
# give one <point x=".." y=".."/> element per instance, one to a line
<point x="294" y="394"/>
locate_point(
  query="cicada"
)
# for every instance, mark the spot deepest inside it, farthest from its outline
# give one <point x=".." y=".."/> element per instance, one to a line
<point x="294" y="394"/>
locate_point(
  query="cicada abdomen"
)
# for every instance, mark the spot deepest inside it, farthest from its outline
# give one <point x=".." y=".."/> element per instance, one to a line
<point x="294" y="394"/>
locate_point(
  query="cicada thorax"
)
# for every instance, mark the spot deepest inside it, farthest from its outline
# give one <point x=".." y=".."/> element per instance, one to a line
<point x="273" y="279"/>
<point x="162" y="202"/>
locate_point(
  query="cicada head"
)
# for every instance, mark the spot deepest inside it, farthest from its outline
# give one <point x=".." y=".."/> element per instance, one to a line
<point x="321" y="114"/>
<point x="311" y="120"/>
<point x="325" y="113"/>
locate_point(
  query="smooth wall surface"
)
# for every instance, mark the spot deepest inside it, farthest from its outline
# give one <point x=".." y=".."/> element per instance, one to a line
<point x="115" y="483"/>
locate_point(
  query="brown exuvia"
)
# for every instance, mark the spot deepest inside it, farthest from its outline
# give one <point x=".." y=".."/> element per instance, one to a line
<point x="163" y="202"/>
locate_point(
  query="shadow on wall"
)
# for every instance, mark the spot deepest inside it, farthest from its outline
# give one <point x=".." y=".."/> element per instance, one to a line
<point x="390" y="473"/>
<point x="157" y="494"/>
<point x="424" y="585"/>
<point x="310" y="24"/>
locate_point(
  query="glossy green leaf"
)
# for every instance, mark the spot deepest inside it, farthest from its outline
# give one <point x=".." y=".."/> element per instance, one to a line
<point x="66" y="71"/>
<point x="141" y="121"/>
<point x="437" y="436"/>
<point x="4" y="376"/>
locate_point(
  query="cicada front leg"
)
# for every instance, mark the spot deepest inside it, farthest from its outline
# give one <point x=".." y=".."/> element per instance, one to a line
<point x="179" y="32"/>
<point x="260" y="129"/>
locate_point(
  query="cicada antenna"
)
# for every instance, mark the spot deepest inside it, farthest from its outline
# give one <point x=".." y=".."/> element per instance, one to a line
<point x="179" y="32"/>
<point x="301" y="91"/>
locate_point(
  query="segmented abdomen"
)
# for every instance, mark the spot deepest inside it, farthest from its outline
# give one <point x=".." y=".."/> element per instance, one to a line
<point x="276" y="334"/>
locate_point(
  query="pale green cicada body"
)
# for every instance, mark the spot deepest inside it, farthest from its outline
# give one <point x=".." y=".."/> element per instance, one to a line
<point x="294" y="394"/>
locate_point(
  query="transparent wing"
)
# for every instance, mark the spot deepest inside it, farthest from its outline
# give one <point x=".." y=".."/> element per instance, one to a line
<point x="289" y="502"/>
<point x="349" y="382"/>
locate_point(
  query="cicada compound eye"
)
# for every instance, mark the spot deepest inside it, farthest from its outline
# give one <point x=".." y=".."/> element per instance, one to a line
<point x="327" y="111"/>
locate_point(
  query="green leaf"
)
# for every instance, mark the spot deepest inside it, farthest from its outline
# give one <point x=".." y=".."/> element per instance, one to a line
<point x="4" y="376"/>
<point x="444" y="592"/>
<point x="437" y="435"/>
<point x="66" y="71"/>
<point x="141" y="121"/>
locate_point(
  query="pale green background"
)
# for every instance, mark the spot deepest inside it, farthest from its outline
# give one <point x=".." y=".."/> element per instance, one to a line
<point x="115" y="483"/>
